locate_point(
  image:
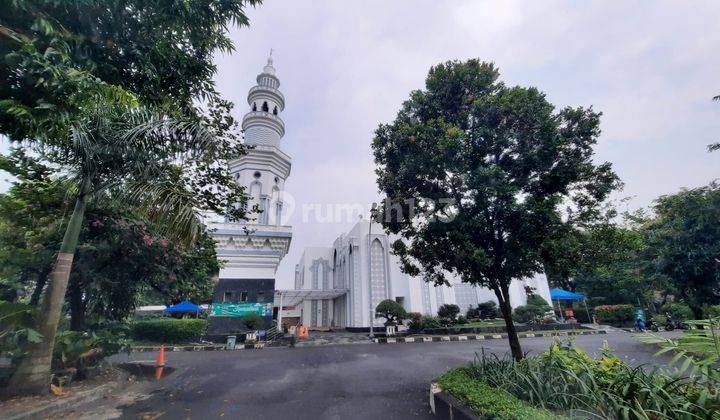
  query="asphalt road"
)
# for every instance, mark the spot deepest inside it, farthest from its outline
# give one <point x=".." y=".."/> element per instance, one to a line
<point x="361" y="381"/>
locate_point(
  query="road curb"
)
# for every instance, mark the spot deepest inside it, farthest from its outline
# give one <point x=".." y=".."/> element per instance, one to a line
<point x="480" y="337"/>
<point x="198" y="348"/>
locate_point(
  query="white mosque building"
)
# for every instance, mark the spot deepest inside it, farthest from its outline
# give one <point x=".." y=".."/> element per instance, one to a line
<point x="358" y="271"/>
<point x="336" y="286"/>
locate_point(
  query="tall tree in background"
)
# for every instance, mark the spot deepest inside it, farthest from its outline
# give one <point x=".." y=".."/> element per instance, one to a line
<point x="600" y="259"/>
<point x="474" y="173"/>
<point x="119" y="258"/>
<point x="683" y="245"/>
<point x="73" y="77"/>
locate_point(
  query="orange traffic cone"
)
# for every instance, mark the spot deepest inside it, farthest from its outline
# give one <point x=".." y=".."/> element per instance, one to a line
<point x="161" y="356"/>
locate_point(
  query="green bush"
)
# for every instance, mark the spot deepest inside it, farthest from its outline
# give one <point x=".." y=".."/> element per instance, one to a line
<point x="84" y="349"/>
<point x="415" y="323"/>
<point x="252" y="321"/>
<point x="168" y="330"/>
<point x="613" y="313"/>
<point x="679" y="311"/>
<point x="448" y="314"/>
<point x="565" y="379"/>
<point x="485" y="310"/>
<point x="462" y="320"/>
<point x="712" y="311"/>
<point x="428" y="321"/>
<point x="392" y="311"/>
<point x="486" y="401"/>
<point x="527" y="313"/>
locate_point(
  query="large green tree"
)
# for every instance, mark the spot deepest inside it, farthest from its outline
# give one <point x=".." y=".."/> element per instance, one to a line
<point x="474" y="173"/>
<point x="110" y="90"/>
<point x="119" y="258"/>
<point x="31" y="225"/>
<point x="683" y="245"/>
<point x="602" y="260"/>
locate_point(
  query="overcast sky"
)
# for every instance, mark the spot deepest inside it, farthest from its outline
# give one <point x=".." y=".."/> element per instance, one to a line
<point x="651" y="67"/>
<point x="344" y="67"/>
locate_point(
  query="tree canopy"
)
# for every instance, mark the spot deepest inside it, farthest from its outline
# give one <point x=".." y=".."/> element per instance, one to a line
<point x="475" y="173"/>
<point x="683" y="244"/>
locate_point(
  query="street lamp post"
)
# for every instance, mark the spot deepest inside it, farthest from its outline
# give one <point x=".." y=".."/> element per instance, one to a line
<point x="370" y="302"/>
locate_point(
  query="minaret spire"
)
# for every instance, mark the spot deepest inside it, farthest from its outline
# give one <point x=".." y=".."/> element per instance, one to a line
<point x="263" y="125"/>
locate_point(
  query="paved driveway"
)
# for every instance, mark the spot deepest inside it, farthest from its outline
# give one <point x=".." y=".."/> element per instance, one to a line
<point x="361" y="381"/>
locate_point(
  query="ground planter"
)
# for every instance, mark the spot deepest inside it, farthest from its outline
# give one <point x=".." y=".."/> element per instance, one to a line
<point x="457" y="395"/>
<point x="445" y="406"/>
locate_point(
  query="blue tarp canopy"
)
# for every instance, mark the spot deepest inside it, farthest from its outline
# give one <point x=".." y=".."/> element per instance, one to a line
<point x="183" y="306"/>
<point x="560" y="294"/>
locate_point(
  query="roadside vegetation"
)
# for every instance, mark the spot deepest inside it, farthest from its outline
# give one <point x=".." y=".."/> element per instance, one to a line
<point x="565" y="381"/>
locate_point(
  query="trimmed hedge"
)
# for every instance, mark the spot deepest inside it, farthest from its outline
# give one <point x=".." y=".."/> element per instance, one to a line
<point x="527" y="313"/>
<point x="168" y="330"/>
<point x="486" y="401"/>
<point x="613" y="313"/>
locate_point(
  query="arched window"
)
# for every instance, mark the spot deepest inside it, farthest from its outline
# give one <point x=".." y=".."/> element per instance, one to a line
<point x="254" y="106"/>
<point x="265" y="107"/>
<point x="274" y="110"/>
<point x="377" y="270"/>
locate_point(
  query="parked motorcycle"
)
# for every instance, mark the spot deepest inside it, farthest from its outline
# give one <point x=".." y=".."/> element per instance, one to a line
<point x="671" y="324"/>
<point x="652" y="325"/>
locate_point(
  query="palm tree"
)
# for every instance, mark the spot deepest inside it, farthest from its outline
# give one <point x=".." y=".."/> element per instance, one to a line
<point x="141" y="157"/>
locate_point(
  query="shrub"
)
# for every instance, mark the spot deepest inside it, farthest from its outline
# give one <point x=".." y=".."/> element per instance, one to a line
<point x="429" y="321"/>
<point x="486" y="401"/>
<point x="415" y="323"/>
<point x="392" y="311"/>
<point x="486" y="310"/>
<point x="565" y="379"/>
<point x="16" y="329"/>
<point x="169" y="330"/>
<point x="527" y="313"/>
<point x="613" y="313"/>
<point x="83" y="349"/>
<point x="252" y="321"/>
<point x="679" y="311"/>
<point x="462" y="320"/>
<point x="448" y="313"/>
<point x="712" y="311"/>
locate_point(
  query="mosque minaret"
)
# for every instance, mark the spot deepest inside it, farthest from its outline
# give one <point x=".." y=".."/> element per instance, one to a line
<point x="251" y="250"/>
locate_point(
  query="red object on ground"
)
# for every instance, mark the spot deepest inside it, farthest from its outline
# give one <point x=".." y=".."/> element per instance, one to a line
<point x="161" y="356"/>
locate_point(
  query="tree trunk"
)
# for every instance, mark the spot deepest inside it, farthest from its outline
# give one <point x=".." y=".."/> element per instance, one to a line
<point x="39" y="286"/>
<point x="33" y="373"/>
<point x="506" y="309"/>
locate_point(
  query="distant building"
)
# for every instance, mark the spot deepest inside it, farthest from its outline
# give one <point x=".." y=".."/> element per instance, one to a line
<point x="359" y="269"/>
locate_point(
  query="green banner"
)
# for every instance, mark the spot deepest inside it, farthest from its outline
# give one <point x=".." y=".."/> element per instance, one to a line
<point x="241" y="309"/>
